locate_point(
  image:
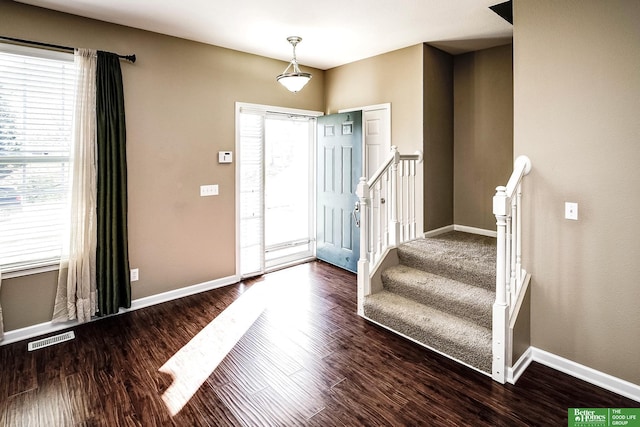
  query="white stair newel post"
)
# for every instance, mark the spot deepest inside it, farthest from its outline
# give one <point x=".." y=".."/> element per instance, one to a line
<point x="394" y="225"/>
<point x="364" y="281"/>
<point x="500" y="308"/>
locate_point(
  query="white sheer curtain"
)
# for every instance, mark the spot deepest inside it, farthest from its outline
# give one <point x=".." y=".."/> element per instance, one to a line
<point x="76" y="293"/>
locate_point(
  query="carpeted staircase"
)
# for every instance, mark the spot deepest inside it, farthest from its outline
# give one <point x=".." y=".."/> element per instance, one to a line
<point x="441" y="295"/>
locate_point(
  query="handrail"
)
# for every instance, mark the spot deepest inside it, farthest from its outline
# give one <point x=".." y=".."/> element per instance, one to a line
<point x="387" y="163"/>
<point x="387" y="203"/>
<point x="521" y="167"/>
<point x="382" y="168"/>
<point x="510" y="274"/>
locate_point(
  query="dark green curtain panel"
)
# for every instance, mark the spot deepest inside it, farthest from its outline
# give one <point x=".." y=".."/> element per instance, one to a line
<point x="112" y="254"/>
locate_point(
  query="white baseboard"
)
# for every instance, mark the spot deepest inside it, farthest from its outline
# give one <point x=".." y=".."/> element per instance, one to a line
<point x="34" y="331"/>
<point x="49" y="327"/>
<point x="569" y="367"/>
<point x="475" y="230"/>
<point x="438" y="231"/>
<point x="182" y="292"/>
<point x="463" y="228"/>
<point x="514" y="373"/>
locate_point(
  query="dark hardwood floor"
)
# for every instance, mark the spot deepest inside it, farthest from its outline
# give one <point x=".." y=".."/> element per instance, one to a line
<point x="307" y="359"/>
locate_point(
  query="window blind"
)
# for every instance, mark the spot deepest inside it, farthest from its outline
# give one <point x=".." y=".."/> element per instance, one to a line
<point x="251" y="164"/>
<point x="36" y="115"/>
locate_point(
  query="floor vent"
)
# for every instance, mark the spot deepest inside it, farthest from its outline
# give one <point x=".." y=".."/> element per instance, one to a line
<point x="56" y="339"/>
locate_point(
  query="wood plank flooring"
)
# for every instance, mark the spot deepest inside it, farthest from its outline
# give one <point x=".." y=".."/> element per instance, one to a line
<point x="308" y="359"/>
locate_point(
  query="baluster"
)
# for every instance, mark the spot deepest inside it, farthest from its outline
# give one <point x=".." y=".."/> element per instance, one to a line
<point x="513" y="286"/>
<point x="394" y="229"/>
<point x="519" y="275"/>
<point x="380" y="215"/>
<point x="402" y="210"/>
<point x="412" y="198"/>
<point x="400" y="201"/>
<point x="385" y="208"/>
<point x="405" y="204"/>
<point x="507" y="256"/>
<point x="372" y="223"/>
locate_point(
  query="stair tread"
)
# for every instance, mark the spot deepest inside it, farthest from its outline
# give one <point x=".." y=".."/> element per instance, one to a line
<point x="471" y="302"/>
<point x="465" y="257"/>
<point x="445" y="332"/>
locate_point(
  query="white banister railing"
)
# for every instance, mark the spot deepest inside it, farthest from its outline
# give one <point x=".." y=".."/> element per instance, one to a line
<point x="387" y="213"/>
<point x="510" y="274"/>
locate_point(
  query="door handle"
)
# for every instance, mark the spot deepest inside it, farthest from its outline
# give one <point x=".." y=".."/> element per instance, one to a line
<point x="356" y="209"/>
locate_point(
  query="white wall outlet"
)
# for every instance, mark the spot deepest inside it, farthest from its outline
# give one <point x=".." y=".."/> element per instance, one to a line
<point x="571" y="211"/>
<point x="209" y="190"/>
<point x="225" y="157"/>
<point x="134" y="274"/>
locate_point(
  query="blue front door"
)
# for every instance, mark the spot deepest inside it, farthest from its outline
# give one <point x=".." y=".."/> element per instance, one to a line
<point x="339" y="155"/>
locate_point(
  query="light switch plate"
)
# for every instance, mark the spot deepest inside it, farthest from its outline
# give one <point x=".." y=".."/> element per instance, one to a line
<point x="225" y="157"/>
<point x="571" y="211"/>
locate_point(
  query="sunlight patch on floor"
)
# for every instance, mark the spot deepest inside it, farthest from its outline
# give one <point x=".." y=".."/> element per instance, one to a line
<point x="193" y="363"/>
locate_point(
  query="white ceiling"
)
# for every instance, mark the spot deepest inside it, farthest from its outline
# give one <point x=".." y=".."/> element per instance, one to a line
<point x="334" y="32"/>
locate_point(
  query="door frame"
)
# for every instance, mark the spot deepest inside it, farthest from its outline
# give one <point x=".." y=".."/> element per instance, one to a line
<point x="265" y="109"/>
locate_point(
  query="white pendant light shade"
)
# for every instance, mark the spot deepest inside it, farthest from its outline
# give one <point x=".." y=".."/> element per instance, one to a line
<point x="295" y="80"/>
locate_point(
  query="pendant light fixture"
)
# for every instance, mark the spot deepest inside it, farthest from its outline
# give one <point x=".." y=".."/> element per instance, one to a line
<point x="295" y="80"/>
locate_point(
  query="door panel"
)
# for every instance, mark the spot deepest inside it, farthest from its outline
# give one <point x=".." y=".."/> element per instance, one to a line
<point x="339" y="170"/>
<point x="377" y="138"/>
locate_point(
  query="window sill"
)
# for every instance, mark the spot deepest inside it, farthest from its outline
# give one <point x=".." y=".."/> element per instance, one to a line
<point x="11" y="273"/>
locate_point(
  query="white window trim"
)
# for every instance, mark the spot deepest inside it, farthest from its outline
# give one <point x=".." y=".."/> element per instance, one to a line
<point x="18" y="49"/>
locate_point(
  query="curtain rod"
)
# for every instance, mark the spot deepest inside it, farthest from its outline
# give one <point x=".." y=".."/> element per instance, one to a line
<point x="130" y="58"/>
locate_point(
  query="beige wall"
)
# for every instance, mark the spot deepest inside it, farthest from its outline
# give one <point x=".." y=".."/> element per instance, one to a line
<point x="521" y="328"/>
<point x="180" y="108"/>
<point x="438" y="138"/>
<point x="394" y="77"/>
<point x="483" y="132"/>
<point x="576" y="105"/>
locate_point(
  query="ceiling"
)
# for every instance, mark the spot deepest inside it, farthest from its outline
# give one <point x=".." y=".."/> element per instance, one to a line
<point x="334" y="32"/>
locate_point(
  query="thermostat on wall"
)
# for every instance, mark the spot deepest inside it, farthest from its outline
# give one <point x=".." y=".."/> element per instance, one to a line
<point x="225" y="157"/>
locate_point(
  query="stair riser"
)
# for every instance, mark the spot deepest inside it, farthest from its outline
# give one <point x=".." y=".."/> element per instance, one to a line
<point x="478" y="359"/>
<point x="452" y="269"/>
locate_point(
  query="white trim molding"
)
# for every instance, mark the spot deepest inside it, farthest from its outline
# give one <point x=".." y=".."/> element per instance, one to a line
<point x="463" y="228"/>
<point x="514" y="373"/>
<point x="438" y="231"/>
<point x="569" y="367"/>
<point x="49" y="327"/>
<point x="585" y="373"/>
<point x="475" y="230"/>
